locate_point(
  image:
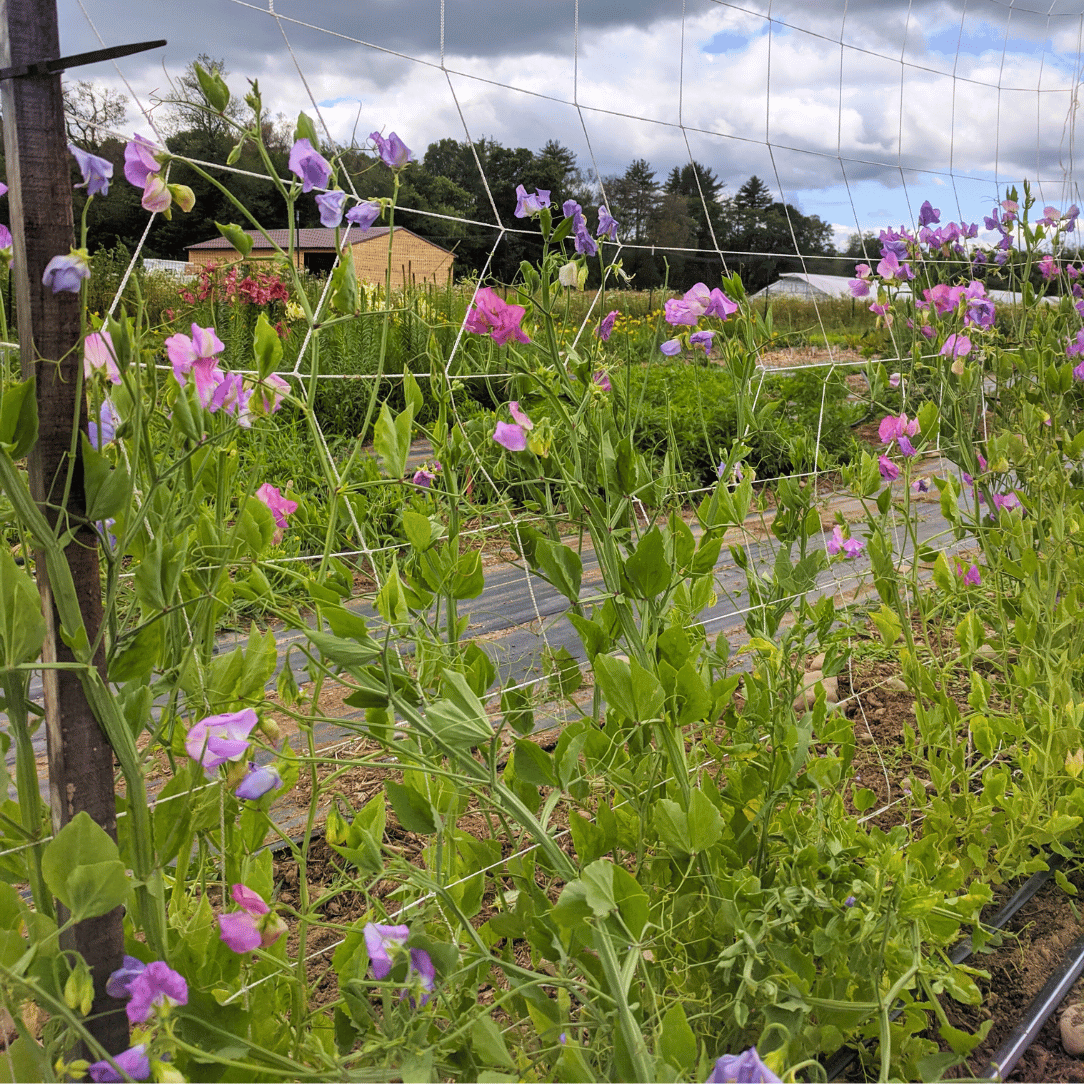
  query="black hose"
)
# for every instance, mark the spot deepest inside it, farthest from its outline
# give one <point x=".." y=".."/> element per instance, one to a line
<point x="845" y="1057"/>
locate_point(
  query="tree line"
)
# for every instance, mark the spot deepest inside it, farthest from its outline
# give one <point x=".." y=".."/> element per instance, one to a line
<point x="676" y="226"/>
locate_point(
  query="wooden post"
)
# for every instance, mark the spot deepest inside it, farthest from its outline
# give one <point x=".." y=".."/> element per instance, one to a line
<point x="40" y="188"/>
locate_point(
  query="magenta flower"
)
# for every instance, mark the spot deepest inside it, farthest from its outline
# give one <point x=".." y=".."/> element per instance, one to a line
<point x="970" y="576"/>
<point x="602" y="380"/>
<point x="492" y="315"/>
<point x="250" y="928"/>
<point x="859" y="287"/>
<point x="280" y="507"/>
<point x="380" y="942"/>
<point x="921" y="485"/>
<point x="889" y="471"/>
<point x="258" y="782"/>
<point x="744" y="1068"/>
<point x="195" y="356"/>
<point x="906" y="446"/>
<point x="330" y="205"/>
<point x="702" y="339"/>
<point x="104" y="431"/>
<point x="269" y="394"/>
<point x="849" y="547"/>
<point x="1048" y="267"/>
<point x="720" y="306"/>
<point x="892" y="428"/>
<point x="606" y="326"/>
<point x="1006" y="501"/>
<point x="671" y="347"/>
<point x="363" y="215"/>
<point x="607" y="224"/>
<point x="140" y="161"/>
<point x="423" y="477"/>
<point x="510" y="436"/>
<point x="217" y="739"/>
<point x="230" y="396"/>
<point x="519" y="415"/>
<point x="156" y="986"/>
<point x="394" y="153"/>
<point x="310" y="165"/>
<point x="98" y="353"/>
<point x="96" y="171"/>
<point x="133" y="1062"/>
<point x="65" y="274"/>
<point x="124" y="976"/>
<point x="928" y="214"/>
<point x="532" y="203"/>
<point x="956" y="346"/>
<point x="5" y="240"/>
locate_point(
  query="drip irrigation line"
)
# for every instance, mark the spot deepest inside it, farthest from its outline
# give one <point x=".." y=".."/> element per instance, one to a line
<point x="843" y="1059"/>
<point x="1037" y="1013"/>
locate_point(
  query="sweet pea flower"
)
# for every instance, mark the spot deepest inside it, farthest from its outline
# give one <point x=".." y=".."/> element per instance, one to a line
<point x="859" y="287"/>
<point x="702" y="339"/>
<point x="394" y="153"/>
<point x="156" y="986"/>
<point x="98" y="353"/>
<point x="121" y="979"/>
<point x="606" y="326"/>
<point x="921" y="485"/>
<point x="65" y="274"/>
<point x="671" y="347"/>
<point x="492" y="315"/>
<point x="679" y="313"/>
<point x="956" y="346"/>
<point x="363" y="215"/>
<point x="602" y="380"/>
<point x="258" y="782"/>
<point x="279" y="506"/>
<point x="744" y="1068"/>
<point x="1048" y="267"/>
<point x="582" y="240"/>
<point x="183" y="196"/>
<point x="269" y="394"/>
<point x="421" y="977"/>
<point x="96" y="171"/>
<point x="528" y="204"/>
<point x="156" y="195"/>
<point x="330" y="205"/>
<point x="310" y="165"/>
<point x="380" y="942"/>
<point x="104" y="431"/>
<point x="607" y="224"/>
<point x="849" y="547"/>
<point x="217" y="739"/>
<point x="892" y="428"/>
<point x="423" y="477"/>
<point x="969" y="576"/>
<point x="250" y="928"/>
<point x="140" y="161"/>
<point x="720" y="306"/>
<point x="928" y="214"/>
<point x="569" y="275"/>
<point x="1006" y="502"/>
<point x="195" y="355"/>
<point x="133" y="1062"/>
<point x="889" y="471"/>
<point x="894" y="380"/>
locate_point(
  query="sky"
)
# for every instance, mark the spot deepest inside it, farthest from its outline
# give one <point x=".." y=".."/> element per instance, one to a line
<point x="854" y="110"/>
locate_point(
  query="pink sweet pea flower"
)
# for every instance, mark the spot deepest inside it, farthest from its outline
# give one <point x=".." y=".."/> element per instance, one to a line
<point x="280" y="507"/>
<point x="268" y="396"/>
<point x="492" y="315"/>
<point x="250" y="928"/>
<point x="156" y="195"/>
<point x="510" y="436"/>
<point x="196" y="356"/>
<point x="970" y="576"/>
<point x="602" y="380"/>
<point x="217" y="739"/>
<point x="889" y="471"/>
<point x="519" y="416"/>
<point x="156" y="986"/>
<point x="892" y="428"/>
<point x="679" y="312"/>
<point x="956" y="346"/>
<point x="98" y="353"/>
<point x="894" y="380"/>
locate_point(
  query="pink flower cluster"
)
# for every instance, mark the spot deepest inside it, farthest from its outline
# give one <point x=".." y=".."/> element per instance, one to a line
<point x="492" y="315"/>
<point x="686" y="311"/>
<point x="253" y="927"/>
<point x="258" y="288"/>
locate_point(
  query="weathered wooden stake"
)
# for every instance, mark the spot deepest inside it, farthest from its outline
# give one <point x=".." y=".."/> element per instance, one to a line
<point x="39" y="179"/>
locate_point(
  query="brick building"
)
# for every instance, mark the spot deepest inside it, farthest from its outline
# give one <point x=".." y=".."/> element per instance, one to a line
<point x="414" y="260"/>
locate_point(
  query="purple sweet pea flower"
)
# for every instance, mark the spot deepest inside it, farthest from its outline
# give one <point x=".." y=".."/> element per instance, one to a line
<point x="671" y="347"/>
<point x="956" y="346"/>
<point x="510" y="436"/>
<point x="849" y="547"/>
<point x="606" y="326"/>
<point x="703" y="339"/>
<point x="248" y="929"/>
<point x="928" y="214"/>
<point x="133" y="1062"/>
<point x="971" y="577"/>
<point x="394" y="153"/>
<point x="96" y="171"/>
<point x="744" y="1068"/>
<point x="894" y="380"/>
<point x="607" y="224"/>
<point x="921" y="485"/>
<point x="679" y="313"/>
<point x="850" y="901"/>
<point x="532" y="203"/>
<point x="570" y="208"/>
<point x="602" y="380"/>
<point x="720" y="306"/>
<point x="65" y="274"/>
<point x="378" y="941"/>
<point x="421" y="976"/>
<point x="889" y="471"/>
<point x="124" y="976"/>
<point x="140" y="161"/>
<point x="158" y="985"/>
<point x="310" y="165"/>
<point x="104" y="431"/>
<point x="363" y="215"/>
<point x="582" y="240"/>
<point x="258" y="782"/>
<point x="331" y="208"/>
<point x="906" y="446"/>
<point x="858" y="288"/>
<point x="219" y="738"/>
<point x="423" y="477"/>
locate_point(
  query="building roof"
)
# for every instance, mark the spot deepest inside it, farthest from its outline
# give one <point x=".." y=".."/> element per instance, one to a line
<point x="319" y="238"/>
<point x="829" y="285"/>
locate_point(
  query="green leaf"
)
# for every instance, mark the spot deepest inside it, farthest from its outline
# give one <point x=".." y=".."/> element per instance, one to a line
<point x="266" y="344"/>
<point x="588" y="839"/>
<point x="518" y="713"/>
<point x="240" y="241"/>
<point x="564" y="672"/>
<point x="107" y="487"/>
<point x="213" y="86"/>
<point x="344" y="653"/>
<point x="677" y="1043"/>
<point x="306" y="130"/>
<point x="22" y="626"/>
<point x="82" y="868"/>
<point x="468" y="579"/>
<point x="418" y="530"/>
<point x="598" y="882"/>
<point x="629" y="688"/>
<point x="488" y="1043"/>
<point x="561" y="565"/>
<point x="647" y="569"/>
<point x="138" y="655"/>
<point x="592" y="634"/>
<point x="414" y="811"/>
<point x="344" y="286"/>
<point x="705" y="823"/>
<point x="412" y="393"/>
<point x="673" y="826"/>
<point x="533" y="764"/>
<point x="18" y="418"/>
<point x="391" y="438"/>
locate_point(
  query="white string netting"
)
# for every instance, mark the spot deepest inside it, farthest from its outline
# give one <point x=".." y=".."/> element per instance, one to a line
<point x="857" y="110"/>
